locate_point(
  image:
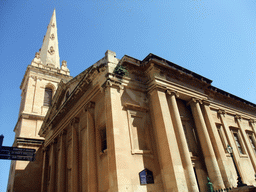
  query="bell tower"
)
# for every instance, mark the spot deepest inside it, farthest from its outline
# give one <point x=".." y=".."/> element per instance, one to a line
<point x="38" y="86"/>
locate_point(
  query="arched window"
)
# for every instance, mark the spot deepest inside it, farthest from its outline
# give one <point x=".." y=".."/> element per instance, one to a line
<point x="47" y="97"/>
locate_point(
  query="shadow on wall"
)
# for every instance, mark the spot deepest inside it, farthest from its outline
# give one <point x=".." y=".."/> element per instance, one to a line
<point x="29" y="179"/>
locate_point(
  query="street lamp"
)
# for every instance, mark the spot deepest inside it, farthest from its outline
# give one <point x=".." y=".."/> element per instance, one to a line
<point x="239" y="179"/>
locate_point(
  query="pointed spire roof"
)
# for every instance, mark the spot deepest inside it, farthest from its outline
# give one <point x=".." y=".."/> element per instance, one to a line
<point x="50" y="49"/>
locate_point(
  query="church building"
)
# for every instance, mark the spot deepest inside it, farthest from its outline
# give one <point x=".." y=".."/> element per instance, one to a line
<point x="129" y="125"/>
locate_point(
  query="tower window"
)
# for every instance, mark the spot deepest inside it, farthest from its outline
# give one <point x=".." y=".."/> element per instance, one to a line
<point x="47" y="97"/>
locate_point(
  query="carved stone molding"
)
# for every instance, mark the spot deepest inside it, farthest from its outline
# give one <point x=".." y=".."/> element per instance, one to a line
<point x="110" y="83"/>
<point x="133" y="107"/>
<point x="221" y="112"/>
<point x="74" y="121"/>
<point x="238" y="117"/>
<point x="251" y="121"/>
<point x="206" y="102"/>
<point x="52" y="37"/>
<point x="33" y="77"/>
<point x="51" y="51"/>
<point x="54" y="141"/>
<point x="63" y="132"/>
<point x="45" y="149"/>
<point x="89" y="105"/>
<point x="195" y="100"/>
<point x="170" y="92"/>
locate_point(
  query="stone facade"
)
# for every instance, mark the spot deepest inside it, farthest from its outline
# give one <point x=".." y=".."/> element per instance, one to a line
<point x="120" y="118"/>
<point x="124" y="116"/>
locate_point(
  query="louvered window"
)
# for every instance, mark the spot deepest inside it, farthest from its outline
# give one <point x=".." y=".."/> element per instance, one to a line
<point x="48" y="97"/>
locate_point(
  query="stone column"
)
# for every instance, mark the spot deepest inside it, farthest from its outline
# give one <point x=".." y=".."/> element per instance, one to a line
<point x="168" y="152"/>
<point x="62" y="163"/>
<point x="205" y="141"/>
<point x="118" y="152"/>
<point x="215" y="139"/>
<point x="233" y="145"/>
<point x="181" y="137"/>
<point x="74" y="170"/>
<point x="44" y="171"/>
<point x="91" y="149"/>
<point x="247" y="144"/>
<point x="53" y="169"/>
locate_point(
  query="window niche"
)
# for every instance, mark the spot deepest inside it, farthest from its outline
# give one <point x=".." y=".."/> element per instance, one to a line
<point x="103" y="139"/>
<point x="139" y="133"/>
<point x="238" y="141"/>
<point x="252" y="140"/>
<point x="222" y="136"/>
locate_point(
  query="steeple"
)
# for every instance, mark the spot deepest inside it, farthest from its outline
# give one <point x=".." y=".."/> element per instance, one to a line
<point x="50" y="48"/>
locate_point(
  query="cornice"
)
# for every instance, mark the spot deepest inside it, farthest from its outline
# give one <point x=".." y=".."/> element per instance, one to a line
<point x="44" y="71"/>
<point x="224" y="109"/>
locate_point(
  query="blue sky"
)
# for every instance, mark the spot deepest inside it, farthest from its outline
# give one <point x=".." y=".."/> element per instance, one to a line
<point x="216" y="39"/>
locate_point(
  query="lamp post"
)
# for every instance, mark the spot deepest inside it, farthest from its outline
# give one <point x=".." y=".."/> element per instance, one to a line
<point x="239" y="179"/>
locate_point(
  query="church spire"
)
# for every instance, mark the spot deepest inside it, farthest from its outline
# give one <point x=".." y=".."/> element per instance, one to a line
<point x="50" y="49"/>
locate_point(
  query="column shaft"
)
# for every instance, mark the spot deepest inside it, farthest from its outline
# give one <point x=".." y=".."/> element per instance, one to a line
<point x="209" y="156"/>
<point x="168" y="151"/>
<point x="44" y="172"/>
<point x="62" y="165"/>
<point x="74" y="171"/>
<point x="189" y="171"/>
<point x="52" y="171"/>
<point x="91" y="152"/>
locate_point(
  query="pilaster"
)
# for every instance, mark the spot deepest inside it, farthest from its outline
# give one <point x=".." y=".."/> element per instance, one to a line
<point x="44" y="170"/>
<point x="62" y="163"/>
<point x="52" y="167"/>
<point x="117" y="132"/>
<point x="74" y="159"/>
<point x="91" y="149"/>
